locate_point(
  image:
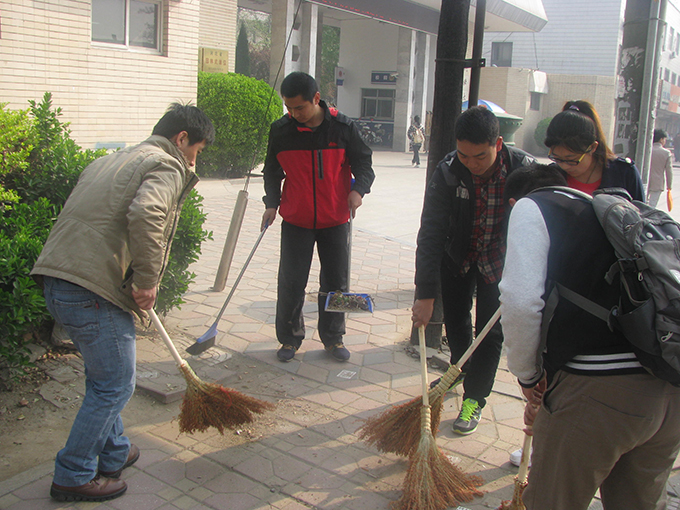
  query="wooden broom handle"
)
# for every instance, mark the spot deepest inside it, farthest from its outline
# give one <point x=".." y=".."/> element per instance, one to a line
<point x="492" y="322"/>
<point x="423" y="365"/>
<point x="526" y="455"/>
<point x="166" y="338"/>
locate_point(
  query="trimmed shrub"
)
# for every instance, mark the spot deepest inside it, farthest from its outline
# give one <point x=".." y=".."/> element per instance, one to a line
<point x="23" y="231"/>
<point x="186" y="247"/>
<point x="242" y="109"/>
<point x="18" y="136"/>
<point x="539" y="133"/>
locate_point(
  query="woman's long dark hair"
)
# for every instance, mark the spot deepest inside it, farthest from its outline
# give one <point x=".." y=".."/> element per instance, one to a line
<point x="577" y="127"/>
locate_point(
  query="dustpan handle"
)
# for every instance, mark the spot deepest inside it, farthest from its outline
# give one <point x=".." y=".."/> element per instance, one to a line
<point x="166" y="338"/>
<point x="349" y="251"/>
<point x="526" y="455"/>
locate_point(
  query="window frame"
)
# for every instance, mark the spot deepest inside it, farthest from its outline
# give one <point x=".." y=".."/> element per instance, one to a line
<point x="126" y="46"/>
<point x="496" y="48"/>
<point x="378" y="98"/>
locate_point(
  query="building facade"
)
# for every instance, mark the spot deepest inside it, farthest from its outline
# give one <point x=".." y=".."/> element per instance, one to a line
<point x="112" y="66"/>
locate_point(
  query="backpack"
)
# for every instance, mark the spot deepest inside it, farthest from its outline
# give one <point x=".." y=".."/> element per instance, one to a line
<point x="646" y="242"/>
<point x="418" y="135"/>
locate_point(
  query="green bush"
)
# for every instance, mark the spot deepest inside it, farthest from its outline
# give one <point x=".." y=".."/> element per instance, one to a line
<point x="23" y="231"/>
<point x="540" y="131"/>
<point x="186" y="247"/>
<point x="17" y="138"/>
<point x="56" y="161"/>
<point x="240" y="108"/>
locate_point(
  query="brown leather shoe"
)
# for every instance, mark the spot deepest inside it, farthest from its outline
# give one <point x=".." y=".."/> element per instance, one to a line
<point x="98" y="489"/>
<point x="133" y="456"/>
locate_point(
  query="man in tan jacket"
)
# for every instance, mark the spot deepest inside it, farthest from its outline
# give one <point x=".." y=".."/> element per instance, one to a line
<point x="660" y="169"/>
<point x="103" y="260"/>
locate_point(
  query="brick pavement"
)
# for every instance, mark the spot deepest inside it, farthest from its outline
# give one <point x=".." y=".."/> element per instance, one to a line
<point x="305" y="454"/>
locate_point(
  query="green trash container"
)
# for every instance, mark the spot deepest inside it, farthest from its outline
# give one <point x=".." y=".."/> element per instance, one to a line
<point x="509" y="124"/>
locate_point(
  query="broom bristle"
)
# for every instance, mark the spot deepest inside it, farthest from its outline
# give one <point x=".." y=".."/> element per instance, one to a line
<point x="516" y="503"/>
<point x="397" y="429"/>
<point x="432" y="482"/>
<point x="211" y="405"/>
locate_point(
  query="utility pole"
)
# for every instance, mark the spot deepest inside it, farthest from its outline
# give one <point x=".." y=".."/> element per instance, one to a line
<point x="450" y="64"/>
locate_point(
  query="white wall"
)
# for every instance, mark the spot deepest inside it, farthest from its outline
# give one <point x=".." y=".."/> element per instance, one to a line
<point x="581" y="37"/>
<point x="365" y="46"/>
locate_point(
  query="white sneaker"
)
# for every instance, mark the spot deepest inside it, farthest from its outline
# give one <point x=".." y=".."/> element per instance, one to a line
<point x="516" y="458"/>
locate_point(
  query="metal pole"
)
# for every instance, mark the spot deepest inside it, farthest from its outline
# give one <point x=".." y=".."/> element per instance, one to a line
<point x="477" y="47"/>
<point x="230" y="242"/>
<point x="650" y="87"/>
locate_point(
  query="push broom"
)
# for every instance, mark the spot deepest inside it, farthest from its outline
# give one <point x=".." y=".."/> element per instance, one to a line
<point x="397" y="429"/>
<point x="432" y="482"/>
<point x="207" y="404"/>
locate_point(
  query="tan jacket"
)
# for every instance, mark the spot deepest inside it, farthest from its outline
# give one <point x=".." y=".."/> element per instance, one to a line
<point x="661" y="165"/>
<point x="117" y="225"/>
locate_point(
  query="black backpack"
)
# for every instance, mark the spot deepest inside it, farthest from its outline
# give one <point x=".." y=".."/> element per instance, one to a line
<point x="647" y="244"/>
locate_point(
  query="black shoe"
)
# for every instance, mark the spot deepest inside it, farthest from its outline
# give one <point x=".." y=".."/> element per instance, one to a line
<point x="133" y="456"/>
<point x="97" y="489"/>
<point x="455" y="382"/>
<point x="286" y="353"/>
<point x="339" y="352"/>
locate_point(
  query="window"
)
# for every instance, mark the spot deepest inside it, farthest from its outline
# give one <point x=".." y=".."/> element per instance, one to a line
<point x="535" y="101"/>
<point x="377" y="104"/>
<point x="667" y="75"/>
<point x="501" y="54"/>
<point x="674" y="78"/>
<point x="672" y="39"/>
<point x="127" y="23"/>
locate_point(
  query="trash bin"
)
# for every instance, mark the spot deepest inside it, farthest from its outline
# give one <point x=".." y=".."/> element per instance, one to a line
<point x="509" y="124"/>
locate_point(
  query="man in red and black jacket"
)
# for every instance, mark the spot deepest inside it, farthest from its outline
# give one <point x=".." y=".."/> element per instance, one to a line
<point x="315" y="150"/>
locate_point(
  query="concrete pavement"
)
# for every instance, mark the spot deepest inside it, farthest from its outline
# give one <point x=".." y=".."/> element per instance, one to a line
<point x="305" y="454"/>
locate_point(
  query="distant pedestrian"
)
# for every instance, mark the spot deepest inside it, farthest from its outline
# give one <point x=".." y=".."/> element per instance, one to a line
<point x="102" y="261"/>
<point x="660" y="169"/>
<point x="416" y="135"/>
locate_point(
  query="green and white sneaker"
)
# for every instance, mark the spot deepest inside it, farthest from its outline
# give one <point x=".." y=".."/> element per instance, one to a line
<point x="468" y="419"/>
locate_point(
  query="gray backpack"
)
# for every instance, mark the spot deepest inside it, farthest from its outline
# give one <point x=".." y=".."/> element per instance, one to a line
<point x="647" y="244"/>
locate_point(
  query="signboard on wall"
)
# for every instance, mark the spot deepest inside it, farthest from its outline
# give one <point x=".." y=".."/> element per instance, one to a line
<point x="213" y="60"/>
<point x="339" y="76"/>
<point x="384" y="77"/>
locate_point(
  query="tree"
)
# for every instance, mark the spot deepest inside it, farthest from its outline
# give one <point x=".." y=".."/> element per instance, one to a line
<point x="330" y="56"/>
<point x="242" y="64"/>
<point x="258" y="27"/>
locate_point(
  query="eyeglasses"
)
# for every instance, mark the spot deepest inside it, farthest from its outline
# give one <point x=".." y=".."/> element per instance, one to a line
<point x="568" y="162"/>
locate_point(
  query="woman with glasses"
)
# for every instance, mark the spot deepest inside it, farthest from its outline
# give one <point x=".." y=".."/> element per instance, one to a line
<point x="578" y="147"/>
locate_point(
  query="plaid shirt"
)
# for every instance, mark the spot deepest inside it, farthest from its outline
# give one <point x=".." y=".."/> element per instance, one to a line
<point x="487" y="242"/>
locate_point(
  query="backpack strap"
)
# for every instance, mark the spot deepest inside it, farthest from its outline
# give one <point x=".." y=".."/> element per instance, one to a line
<point x="584" y="303"/>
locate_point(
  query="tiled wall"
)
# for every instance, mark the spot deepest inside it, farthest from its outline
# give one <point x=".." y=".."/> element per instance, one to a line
<point x="110" y="95"/>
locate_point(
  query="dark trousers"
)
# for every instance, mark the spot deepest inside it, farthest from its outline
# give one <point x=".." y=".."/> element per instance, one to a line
<point x="297" y="249"/>
<point x="416" y="156"/>
<point x="457" y="294"/>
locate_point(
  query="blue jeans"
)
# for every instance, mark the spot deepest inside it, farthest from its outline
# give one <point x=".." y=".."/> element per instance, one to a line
<point x="105" y="336"/>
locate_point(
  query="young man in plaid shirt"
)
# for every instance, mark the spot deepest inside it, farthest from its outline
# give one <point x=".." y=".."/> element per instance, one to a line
<point x="461" y="248"/>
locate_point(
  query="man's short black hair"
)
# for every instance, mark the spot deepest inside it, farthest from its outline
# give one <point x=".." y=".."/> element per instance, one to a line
<point x="477" y="125"/>
<point x="186" y="117"/>
<point x="659" y="134"/>
<point x="528" y="178"/>
<point x="299" y="84"/>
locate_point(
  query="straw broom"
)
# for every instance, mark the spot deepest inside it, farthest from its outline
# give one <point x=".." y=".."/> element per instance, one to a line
<point x="520" y="479"/>
<point x="432" y="481"/>
<point x="207" y="404"/>
<point x="397" y="429"/>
